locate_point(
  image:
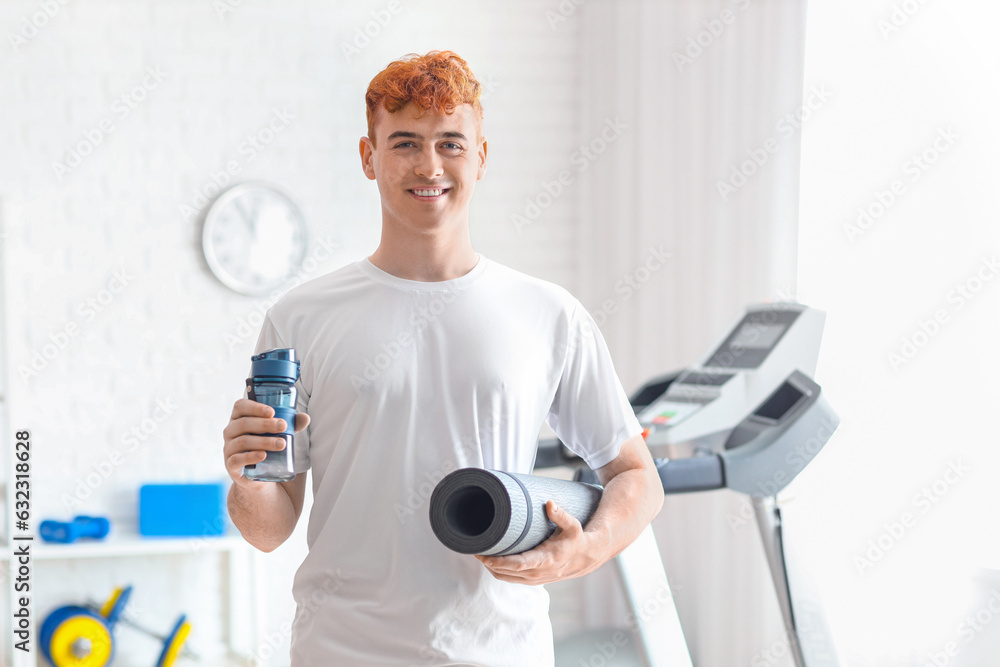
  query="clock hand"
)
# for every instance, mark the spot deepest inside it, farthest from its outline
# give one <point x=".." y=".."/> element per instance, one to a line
<point x="249" y="220"/>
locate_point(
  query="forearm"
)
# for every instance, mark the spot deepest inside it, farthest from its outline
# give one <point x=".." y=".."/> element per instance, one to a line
<point x="263" y="512"/>
<point x="631" y="500"/>
<point x="632" y="497"/>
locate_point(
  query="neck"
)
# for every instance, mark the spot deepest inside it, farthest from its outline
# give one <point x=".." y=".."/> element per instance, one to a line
<point x="425" y="256"/>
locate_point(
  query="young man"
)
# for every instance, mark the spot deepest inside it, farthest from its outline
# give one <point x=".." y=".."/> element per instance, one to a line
<point x="421" y="359"/>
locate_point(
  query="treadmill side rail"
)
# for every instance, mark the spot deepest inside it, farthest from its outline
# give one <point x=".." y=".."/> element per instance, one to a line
<point x="809" y="637"/>
<point x="648" y="593"/>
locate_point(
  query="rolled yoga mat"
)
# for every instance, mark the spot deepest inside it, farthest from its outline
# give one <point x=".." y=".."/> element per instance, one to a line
<point x="495" y="513"/>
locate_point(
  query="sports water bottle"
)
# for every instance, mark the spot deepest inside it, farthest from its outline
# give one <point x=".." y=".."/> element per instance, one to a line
<point x="272" y="382"/>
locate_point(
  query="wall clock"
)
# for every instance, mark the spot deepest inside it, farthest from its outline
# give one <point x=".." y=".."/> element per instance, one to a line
<point x="254" y="238"/>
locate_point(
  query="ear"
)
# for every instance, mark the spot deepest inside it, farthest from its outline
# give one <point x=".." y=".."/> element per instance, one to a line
<point x="367" y="157"/>
<point x="482" y="160"/>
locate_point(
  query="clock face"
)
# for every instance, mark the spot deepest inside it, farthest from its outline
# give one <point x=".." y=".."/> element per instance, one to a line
<point x="254" y="238"/>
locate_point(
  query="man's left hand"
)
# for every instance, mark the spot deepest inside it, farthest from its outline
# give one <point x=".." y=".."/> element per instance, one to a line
<point x="569" y="552"/>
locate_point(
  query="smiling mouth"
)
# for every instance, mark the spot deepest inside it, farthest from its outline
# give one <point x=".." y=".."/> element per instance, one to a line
<point x="428" y="193"/>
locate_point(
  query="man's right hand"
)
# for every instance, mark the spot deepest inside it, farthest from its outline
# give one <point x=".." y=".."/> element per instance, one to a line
<point x="243" y="449"/>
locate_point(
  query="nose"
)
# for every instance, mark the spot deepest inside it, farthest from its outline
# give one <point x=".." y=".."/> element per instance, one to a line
<point x="429" y="164"/>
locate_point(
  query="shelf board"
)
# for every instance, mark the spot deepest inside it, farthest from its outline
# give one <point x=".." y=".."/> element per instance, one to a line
<point x="128" y="545"/>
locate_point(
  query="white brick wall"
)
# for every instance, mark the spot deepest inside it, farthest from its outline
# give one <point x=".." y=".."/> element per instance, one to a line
<point x="162" y="337"/>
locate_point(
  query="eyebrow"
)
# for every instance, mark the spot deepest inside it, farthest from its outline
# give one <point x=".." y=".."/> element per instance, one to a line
<point x="414" y="135"/>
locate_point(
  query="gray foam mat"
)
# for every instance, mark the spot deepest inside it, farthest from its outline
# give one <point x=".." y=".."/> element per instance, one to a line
<point x="495" y="513"/>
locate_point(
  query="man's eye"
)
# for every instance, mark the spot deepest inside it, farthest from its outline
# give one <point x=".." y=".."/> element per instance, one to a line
<point x="452" y="144"/>
<point x="404" y="143"/>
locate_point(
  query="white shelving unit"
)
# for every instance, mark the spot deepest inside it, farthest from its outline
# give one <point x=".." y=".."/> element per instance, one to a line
<point x="237" y="567"/>
<point x="238" y="561"/>
<point x="132" y="545"/>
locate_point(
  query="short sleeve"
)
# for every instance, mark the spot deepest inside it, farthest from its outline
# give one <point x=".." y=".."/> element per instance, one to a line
<point x="590" y="412"/>
<point x="269" y="339"/>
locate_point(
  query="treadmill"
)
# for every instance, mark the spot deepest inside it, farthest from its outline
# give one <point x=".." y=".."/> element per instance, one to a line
<point x="748" y="417"/>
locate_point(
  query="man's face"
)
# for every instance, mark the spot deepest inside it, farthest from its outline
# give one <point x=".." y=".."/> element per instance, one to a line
<point x="427" y="167"/>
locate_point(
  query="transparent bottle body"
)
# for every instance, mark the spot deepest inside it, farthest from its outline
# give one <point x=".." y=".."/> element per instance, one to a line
<point x="275" y="394"/>
<point x="277" y="466"/>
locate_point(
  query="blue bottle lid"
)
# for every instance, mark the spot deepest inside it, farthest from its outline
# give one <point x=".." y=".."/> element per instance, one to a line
<point x="277" y="364"/>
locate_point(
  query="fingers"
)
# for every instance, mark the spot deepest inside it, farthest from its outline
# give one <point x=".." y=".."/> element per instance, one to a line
<point x="515" y="580"/>
<point x="247" y="408"/>
<point x="513" y="563"/>
<point x="552" y="560"/>
<point x="253" y="417"/>
<point x="531" y="567"/>
<point x="301" y="421"/>
<point x="252" y="443"/>
<point x="520" y="565"/>
<point x="244" y="443"/>
<point x="567" y="523"/>
<point x="235" y="463"/>
<point x="238" y="427"/>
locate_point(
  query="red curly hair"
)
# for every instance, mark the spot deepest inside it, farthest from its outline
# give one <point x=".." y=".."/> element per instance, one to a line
<point x="439" y="81"/>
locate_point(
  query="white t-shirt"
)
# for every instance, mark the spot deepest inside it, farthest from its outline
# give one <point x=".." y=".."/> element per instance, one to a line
<point x="406" y="381"/>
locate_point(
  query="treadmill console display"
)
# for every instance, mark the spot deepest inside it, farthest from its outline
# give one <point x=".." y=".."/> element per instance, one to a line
<point x="752" y="340"/>
<point x="779" y="404"/>
<point x="704" y="379"/>
<point x="736" y="376"/>
<point x="760" y="337"/>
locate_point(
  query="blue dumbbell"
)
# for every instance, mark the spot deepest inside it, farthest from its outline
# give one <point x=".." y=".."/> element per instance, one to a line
<point x="68" y="531"/>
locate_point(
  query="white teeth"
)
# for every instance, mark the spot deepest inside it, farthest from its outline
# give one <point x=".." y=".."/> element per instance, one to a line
<point x="428" y="193"/>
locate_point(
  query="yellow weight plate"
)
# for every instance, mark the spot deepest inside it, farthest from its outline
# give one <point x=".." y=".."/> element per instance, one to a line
<point x="175" y="646"/>
<point x="110" y="604"/>
<point x="73" y="629"/>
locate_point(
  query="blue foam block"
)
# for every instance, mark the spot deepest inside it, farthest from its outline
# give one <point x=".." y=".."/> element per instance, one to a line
<point x="182" y="510"/>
